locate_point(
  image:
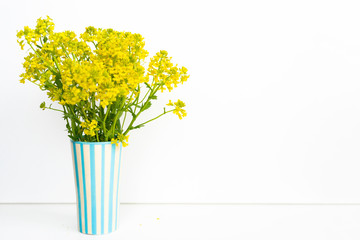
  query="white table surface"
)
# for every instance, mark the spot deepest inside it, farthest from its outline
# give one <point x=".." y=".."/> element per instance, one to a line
<point x="189" y="221"/>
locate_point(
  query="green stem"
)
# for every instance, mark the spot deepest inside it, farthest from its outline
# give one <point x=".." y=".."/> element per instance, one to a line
<point x="156" y="117"/>
<point x="54" y="109"/>
<point x="150" y="89"/>
<point x="73" y="127"/>
<point x="84" y="114"/>
<point x="97" y="136"/>
<point x="75" y="58"/>
<point x="57" y="65"/>
<point x="122" y="125"/>
<point x="117" y="117"/>
<point x="35" y="84"/>
<point x="66" y="53"/>
<point x="104" y="125"/>
<point x="153" y="92"/>
<point x="67" y="121"/>
<point x="51" y="68"/>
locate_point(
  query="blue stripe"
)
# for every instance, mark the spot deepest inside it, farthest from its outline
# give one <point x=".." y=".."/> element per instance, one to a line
<point x="93" y="189"/>
<point x="117" y="189"/>
<point x="102" y="186"/>
<point x="77" y="185"/>
<point x="84" y="186"/>
<point x="111" y="186"/>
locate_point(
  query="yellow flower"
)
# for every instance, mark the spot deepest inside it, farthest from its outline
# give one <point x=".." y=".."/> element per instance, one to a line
<point x="112" y="69"/>
<point x="179" y="111"/>
<point x="165" y="73"/>
<point x="115" y="141"/>
<point x="170" y="103"/>
<point x="90" y="128"/>
<point x="21" y="43"/>
<point x="100" y="72"/>
<point x="121" y="138"/>
<point x="179" y="103"/>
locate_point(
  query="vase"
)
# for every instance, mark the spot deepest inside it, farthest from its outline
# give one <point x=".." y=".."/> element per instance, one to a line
<point x="97" y="176"/>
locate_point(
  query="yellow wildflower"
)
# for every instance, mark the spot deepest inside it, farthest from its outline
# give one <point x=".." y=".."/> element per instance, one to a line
<point x="179" y="111"/>
<point x="101" y="73"/>
<point x="115" y="141"/>
<point x="121" y="139"/>
<point x="90" y="127"/>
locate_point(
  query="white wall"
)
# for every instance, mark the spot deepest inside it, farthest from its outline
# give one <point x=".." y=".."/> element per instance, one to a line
<point x="273" y="103"/>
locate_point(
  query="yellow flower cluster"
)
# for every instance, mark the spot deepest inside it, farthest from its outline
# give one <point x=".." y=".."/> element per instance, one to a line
<point x="120" y="139"/>
<point x="72" y="71"/>
<point x="43" y="27"/>
<point x="178" y="108"/>
<point x="164" y="72"/>
<point x="98" y="75"/>
<point x="90" y="127"/>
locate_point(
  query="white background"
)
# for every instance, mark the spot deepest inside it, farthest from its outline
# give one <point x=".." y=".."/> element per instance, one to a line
<point x="273" y="103"/>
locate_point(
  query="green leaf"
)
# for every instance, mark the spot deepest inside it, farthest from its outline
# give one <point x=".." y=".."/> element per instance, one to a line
<point x="43" y="106"/>
<point x="147" y="85"/>
<point x="153" y="97"/>
<point x="73" y="138"/>
<point x="138" y="126"/>
<point x="108" y="134"/>
<point x="146" y="106"/>
<point x="132" y="113"/>
<point x="68" y="127"/>
<point x="45" y="39"/>
<point x="57" y="81"/>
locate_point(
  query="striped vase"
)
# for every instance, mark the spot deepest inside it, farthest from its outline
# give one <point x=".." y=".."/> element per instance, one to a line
<point x="97" y="174"/>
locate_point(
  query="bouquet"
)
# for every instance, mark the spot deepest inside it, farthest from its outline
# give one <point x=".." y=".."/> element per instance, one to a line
<point x="100" y="79"/>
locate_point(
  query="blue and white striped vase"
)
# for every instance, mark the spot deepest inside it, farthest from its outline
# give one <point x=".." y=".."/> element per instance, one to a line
<point x="97" y="175"/>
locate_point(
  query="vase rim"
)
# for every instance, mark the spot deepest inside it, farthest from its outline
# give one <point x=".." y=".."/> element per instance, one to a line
<point x="90" y="143"/>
